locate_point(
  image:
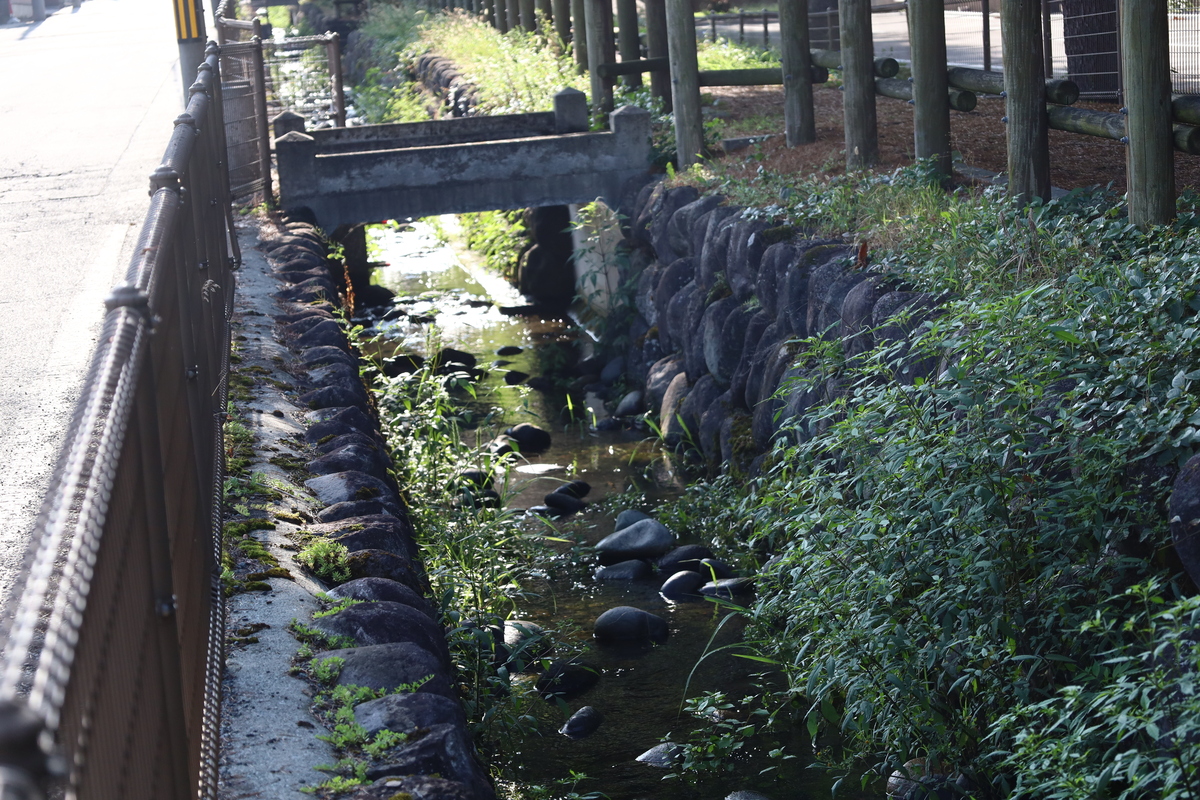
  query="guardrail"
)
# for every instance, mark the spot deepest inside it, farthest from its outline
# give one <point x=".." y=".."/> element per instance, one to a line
<point x="112" y="663"/>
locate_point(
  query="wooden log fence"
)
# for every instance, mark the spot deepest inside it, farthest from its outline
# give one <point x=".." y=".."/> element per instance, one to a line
<point x="1153" y="125"/>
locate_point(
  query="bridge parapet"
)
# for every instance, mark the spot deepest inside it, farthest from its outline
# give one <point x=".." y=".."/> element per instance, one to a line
<point x="371" y="173"/>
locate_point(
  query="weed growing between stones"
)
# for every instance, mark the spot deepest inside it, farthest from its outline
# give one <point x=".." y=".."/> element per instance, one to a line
<point x="974" y="568"/>
<point x="327" y="560"/>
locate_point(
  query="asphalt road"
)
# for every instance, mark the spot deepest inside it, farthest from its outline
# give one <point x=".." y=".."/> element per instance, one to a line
<point x="88" y="98"/>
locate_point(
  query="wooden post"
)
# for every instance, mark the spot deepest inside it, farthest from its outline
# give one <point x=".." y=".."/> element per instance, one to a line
<point x="631" y="47"/>
<point x="544" y="9"/>
<point x="562" y="21"/>
<point x="656" y="46"/>
<point x="987" y="34"/>
<point x="685" y="81"/>
<point x="1025" y="105"/>
<point x="600" y="51"/>
<point x="514" y="14"/>
<point x="489" y="12"/>
<point x="799" y="119"/>
<point x="528" y="21"/>
<point x="858" y="83"/>
<point x="579" y="36"/>
<point x="501" y="14"/>
<point x="931" y="114"/>
<point x="1149" y="157"/>
<point x="766" y="32"/>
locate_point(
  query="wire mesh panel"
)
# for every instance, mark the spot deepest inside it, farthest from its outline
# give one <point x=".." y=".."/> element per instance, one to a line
<point x="299" y="80"/>
<point x="1184" y="25"/>
<point x="246" y="128"/>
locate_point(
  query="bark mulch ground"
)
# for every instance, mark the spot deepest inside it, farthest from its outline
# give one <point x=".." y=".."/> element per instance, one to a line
<point x="1075" y="161"/>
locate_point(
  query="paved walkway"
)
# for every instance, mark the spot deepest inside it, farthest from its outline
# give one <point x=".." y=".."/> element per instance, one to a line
<point x="88" y="97"/>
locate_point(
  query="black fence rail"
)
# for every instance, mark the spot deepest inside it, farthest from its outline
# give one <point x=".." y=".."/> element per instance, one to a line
<point x="111" y="667"/>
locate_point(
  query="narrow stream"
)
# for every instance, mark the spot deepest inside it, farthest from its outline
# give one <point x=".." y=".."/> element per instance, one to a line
<point x="642" y="690"/>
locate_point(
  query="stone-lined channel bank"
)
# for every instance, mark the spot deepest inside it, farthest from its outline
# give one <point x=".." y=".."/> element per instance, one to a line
<point x="318" y="436"/>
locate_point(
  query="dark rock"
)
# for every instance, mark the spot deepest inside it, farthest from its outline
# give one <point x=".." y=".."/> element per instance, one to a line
<point x="709" y="227"/>
<point x="407" y="713"/>
<point x="897" y="316"/>
<point x="663" y="756"/>
<point x="624" y="571"/>
<point x="746" y="248"/>
<point x="1184" y="515"/>
<point x="629" y="625"/>
<point x="771" y="275"/>
<point x="318" y="356"/>
<point x="358" y="508"/>
<point x="613" y="370"/>
<point x="715" y="569"/>
<point x="576" y="488"/>
<point x="649" y="201"/>
<point x="701" y="396"/>
<point x="476" y="479"/>
<point x="831" y="305"/>
<point x="661" y="375"/>
<point x="682" y="586"/>
<point x="582" y="723"/>
<point x="728" y="588"/>
<point x="347" y="420"/>
<point x="765" y="355"/>
<point x="748" y="795"/>
<point x="382" y="589"/>
<point x="331" y="373"/>
<point x="372" y="295"/>
<point x="628" y="517"/>
<point x="445" y="751"/>
<point x="675" y="278"/>
<point x="540" y="383"/>
<point x="857" y="336"/>
<point x="756" y="328"/>
<point x="379" y="532"/>
<point x="711" y="422"/>
<point x="564" y="503"/>
<point x="711" y="344"/>
<point x="711" y="266"/>
<point x="402" y="364"/>
<point x="686" y="557"/>
<point x="346" y="440"/>
<point x="683" y="222"/>
<point x="351" y="485"/>
<point x="502" y="445"/>
<point x="370" y="563"/>
<point x="643" y="298"/>
<point x="326" y="333"/>
<point x="509" y="350"/>
<point x="736" y="439"/>
<point x="820" y="279"/>
<point x="337" y="395"/>
<point x="304" y="324"/>
<point x="530" y="438"/>
<point x="673" y="432"/>
<point x="673" y="200"/>
<point x="543" y="511"/>
<point x="546" y="276"/>
<point x="385" y="623"/>
<point x="448" y="358"/>
<point x="351" y="458"/>
<point x="723" y="347"/>
<point x="647" y="538"/>
<point x="387" y="667"/>
<point x="309" y="291"/>
<point x="630" y="405"/>
<point x="524" y="641"/>
<point x="567" y="679"/>
<point x="515" y="377"/>
<point x="414" y="787"/>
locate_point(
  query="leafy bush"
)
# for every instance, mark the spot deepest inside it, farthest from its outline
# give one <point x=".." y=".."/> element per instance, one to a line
<point x="327" y="560"/>
<point x="951" y="552"/>
<point x="514" y="73"/>
<point x="724" y="54"/>
<point x="499" y="236"/>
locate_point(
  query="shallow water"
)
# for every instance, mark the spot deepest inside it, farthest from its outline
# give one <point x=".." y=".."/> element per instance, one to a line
<point x="642" y="690"/>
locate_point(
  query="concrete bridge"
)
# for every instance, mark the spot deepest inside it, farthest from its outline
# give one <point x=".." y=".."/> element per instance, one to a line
<point x="347" y="176"/>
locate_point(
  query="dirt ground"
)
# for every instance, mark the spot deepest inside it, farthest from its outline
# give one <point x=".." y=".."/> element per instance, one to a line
<point x="1075" y="160"/>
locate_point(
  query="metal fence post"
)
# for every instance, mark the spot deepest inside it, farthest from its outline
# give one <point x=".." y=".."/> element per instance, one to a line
<point x="334" y="55"/>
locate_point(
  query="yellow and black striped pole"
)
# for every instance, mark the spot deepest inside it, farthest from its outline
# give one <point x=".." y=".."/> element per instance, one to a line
<point x="189" y="30"/>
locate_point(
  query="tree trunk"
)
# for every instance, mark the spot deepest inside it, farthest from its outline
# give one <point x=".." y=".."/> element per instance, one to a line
<point x="858" y="83"/>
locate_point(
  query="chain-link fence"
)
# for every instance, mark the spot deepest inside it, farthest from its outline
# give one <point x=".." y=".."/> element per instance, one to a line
<point x="304" y="75"/>
<point x="110" y="684"/>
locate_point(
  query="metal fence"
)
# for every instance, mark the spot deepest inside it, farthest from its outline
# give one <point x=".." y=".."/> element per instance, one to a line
<point x="247" y="130"/>
<point x="112" y="663"/>
<point x="304" y="75"/>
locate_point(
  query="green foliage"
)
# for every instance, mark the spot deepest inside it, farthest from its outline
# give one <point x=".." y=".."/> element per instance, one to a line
<point x="513" y="73"/>
<point x="724" y="54"/>
<point x="499" y="236"/>
<point x="382" y="98"/>
<point x="328" y="560"/>
<point x="939" y="543"/>
<point x="1131" y="727"/>
<point x="326" y="670"/>
<point x="715" y="748"/>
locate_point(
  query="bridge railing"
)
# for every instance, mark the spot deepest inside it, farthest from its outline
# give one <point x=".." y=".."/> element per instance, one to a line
<point x="111" y="666"/>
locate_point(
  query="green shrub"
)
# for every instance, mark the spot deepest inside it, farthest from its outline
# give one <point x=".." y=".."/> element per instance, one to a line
<point x="328" y="560"/>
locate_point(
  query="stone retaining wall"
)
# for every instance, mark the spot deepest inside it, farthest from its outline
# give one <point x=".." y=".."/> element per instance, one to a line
<point x="719" y="307"/>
